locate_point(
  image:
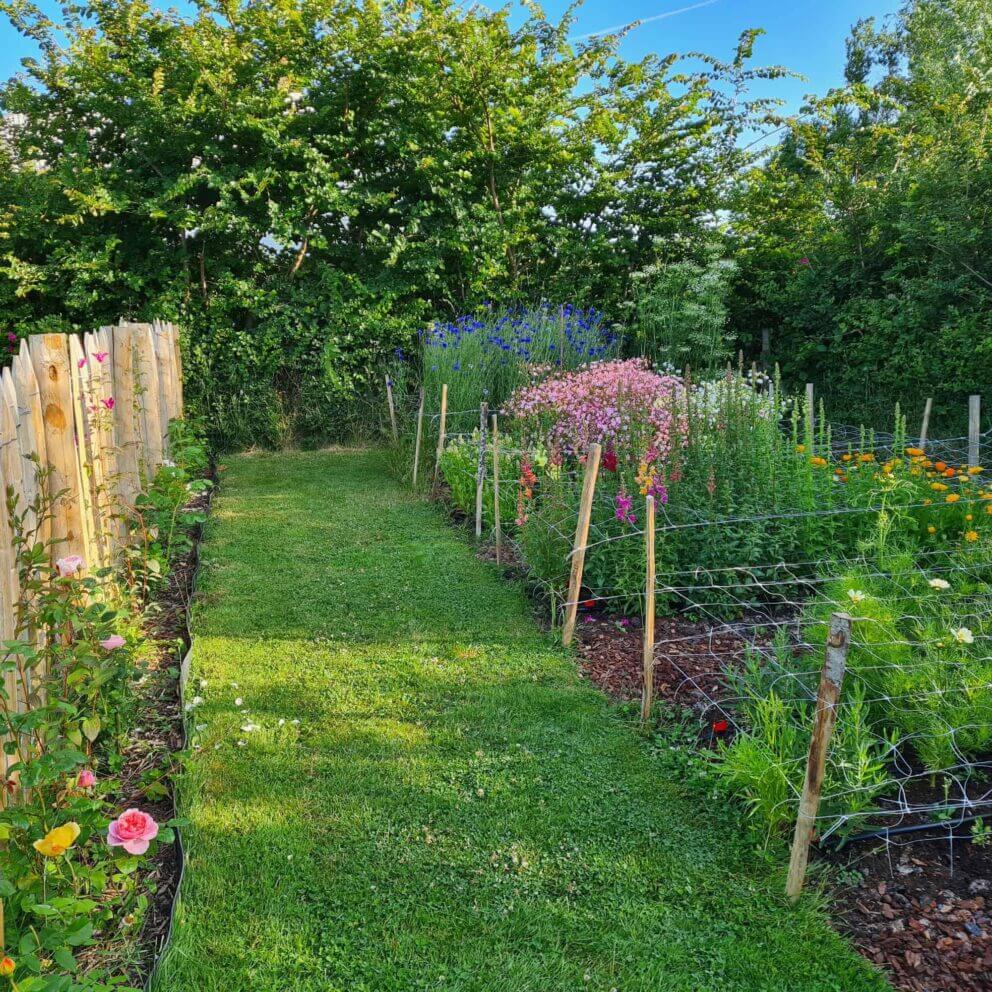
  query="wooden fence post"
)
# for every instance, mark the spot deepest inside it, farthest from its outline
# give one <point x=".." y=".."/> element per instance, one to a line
<point x="177" y="363"/>
<point x="925" y="426"/>
<point x="123" y="415"/>
<point x="480" y="471"/>
<point x="440" y="431"/>
<point x="649" y="610"/>
<point x="147" y="397"/>
<point x="496" y="520"/>
<point x="420" y="434"/>
<point x="162" y="349"/>
<point x="50" y="353"/>
<point x="392" y="408"/>
<point x="581" y="537"/>
<point x="831" y="678"/>
<point x="974" y="430"/>
<point x="31" y="431"/>
<point x="86" y="448"/>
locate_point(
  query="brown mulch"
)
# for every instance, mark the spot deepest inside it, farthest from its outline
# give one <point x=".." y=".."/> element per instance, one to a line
<point x="923" y="913"/>
<point x="689" y="661"/>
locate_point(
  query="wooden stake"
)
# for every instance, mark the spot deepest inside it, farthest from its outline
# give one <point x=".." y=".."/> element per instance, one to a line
<point x="499" y="532"/>
<point x="581" y="537"/>
<point x="974" y="430"/>
<point x="834" y="662"/>
<point x="811" y="414"/>
<point x="392" y="408"/>
<point x="440" y="431"/>
<point x="420" y="433"/>
<point x="480" y="472"/>
<point x="925" y="426"/>
<point x="649" y="608"/>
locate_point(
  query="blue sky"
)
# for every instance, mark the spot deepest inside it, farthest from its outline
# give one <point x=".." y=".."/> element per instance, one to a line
<point x="804" y="35"/>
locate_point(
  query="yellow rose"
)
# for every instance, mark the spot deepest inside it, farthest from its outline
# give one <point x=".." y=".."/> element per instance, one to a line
<point x="56" y="842"/>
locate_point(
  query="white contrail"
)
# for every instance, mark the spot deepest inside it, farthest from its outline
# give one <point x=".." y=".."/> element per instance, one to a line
<point x="645" y="20"/>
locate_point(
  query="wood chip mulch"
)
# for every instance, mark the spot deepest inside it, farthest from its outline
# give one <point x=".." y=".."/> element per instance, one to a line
<point x="689" y="662"/>
<point x="923" y="913"/>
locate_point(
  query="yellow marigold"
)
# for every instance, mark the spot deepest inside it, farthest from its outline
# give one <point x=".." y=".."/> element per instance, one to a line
<point x="800" y="448"/>
<point x="914" y="451"/>
<point x="967" y="516"/>
<point x="938" y="486"/>
<point x="951" y="498"/>
<point x="817" y="461"/>
<point x="975" y="470"/>
<point x="845" y="458"/>
<point x="971" y="535"/>
<point x="866" y="456"/>
<point x="927" y="502"/>
<point x="988" y="509"/>
<point x="933" y="530"/>
<point x="57" y="841"/>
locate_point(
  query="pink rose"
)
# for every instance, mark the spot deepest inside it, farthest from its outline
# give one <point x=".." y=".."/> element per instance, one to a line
<point x="133" y="830"/>
<point x="86" y="779"/>
<point x="113" y="642"/>
<point x="69" y="566"/>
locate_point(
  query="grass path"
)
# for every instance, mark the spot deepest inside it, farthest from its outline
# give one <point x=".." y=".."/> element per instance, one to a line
<point x="456" y="809"/>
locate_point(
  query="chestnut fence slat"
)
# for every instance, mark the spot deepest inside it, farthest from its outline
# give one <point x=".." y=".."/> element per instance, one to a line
<point x="87" y="418"/>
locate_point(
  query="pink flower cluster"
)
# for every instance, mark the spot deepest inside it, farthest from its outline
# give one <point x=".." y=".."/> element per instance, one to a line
<point x="623" y="405"/>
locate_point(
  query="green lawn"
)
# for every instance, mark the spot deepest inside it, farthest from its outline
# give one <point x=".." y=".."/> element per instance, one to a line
<point x="456" y="809"/>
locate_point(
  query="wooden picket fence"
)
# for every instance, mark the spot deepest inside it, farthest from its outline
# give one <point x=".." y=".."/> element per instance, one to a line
<point x="88" y="417"/>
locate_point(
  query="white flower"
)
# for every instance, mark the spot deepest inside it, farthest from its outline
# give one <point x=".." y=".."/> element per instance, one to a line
<point x="242" y="743"/>
<point x="249" y="727"/>
<point x="855" y="595"/>
<point x="282" y="723"/>
<point x="295" y="723"/>
<point x="239" y="701"/>
<point x="939" y="584"/>
<point x="963" y="636"/>
<point x="203" y="683"/>
<point x="193" y="703"/>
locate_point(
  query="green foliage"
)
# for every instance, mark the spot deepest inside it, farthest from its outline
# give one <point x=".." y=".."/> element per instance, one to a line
<point x="861" y="243"/>
<point x="681" y="314"/>
<point x="300" y="187"/>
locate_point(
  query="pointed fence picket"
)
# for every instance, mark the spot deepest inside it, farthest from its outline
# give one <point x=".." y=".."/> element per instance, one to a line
<point x="87" y="418"/>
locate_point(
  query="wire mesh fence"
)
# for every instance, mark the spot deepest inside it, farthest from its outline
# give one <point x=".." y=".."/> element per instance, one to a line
<point x="867" y="525"/>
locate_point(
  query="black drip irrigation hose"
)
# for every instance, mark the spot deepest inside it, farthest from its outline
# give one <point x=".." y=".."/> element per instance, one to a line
<point x="884" y="833"/>
<point x="184" y="665"/>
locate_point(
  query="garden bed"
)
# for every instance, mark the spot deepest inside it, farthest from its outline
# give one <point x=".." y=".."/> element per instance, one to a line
<point x="148" y="762"/>
<point x="921" y="909"/>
